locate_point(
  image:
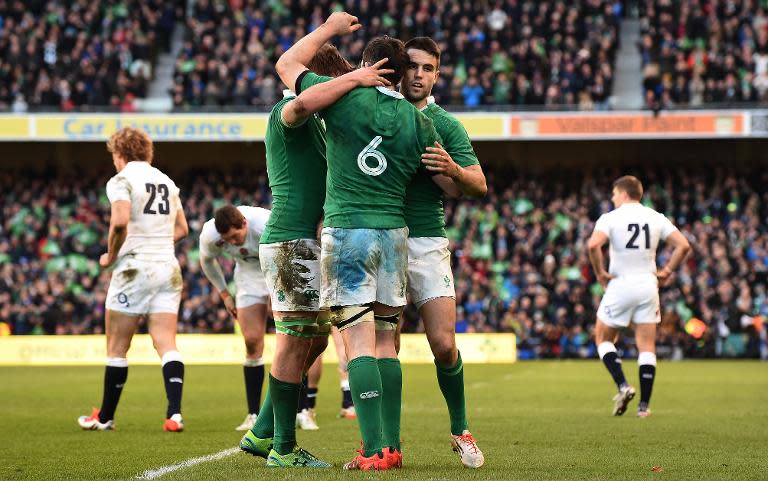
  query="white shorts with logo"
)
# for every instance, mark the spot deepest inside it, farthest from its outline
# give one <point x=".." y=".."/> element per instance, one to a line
<point x="429" y="269"/>
<point x="250" y="284"/>
<point x="292" y="273"/>
<point x="361" y="266"/>
<point x="141" y="287"/>
<point x="630" y="300"/>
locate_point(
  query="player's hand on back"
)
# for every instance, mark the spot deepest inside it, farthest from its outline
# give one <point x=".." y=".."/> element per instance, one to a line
<point x="372" y="76"/>
<point x="438" y="160"/>
<point x="342" y="23"/>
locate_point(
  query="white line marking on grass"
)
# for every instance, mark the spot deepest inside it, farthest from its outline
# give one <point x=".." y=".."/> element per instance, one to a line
<point x="156" y="473"/>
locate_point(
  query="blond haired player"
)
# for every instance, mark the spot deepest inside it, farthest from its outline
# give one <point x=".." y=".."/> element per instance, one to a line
<point x="146" y="221"/>
<point x="236" y="231"/>
<point x="632" y="293"/>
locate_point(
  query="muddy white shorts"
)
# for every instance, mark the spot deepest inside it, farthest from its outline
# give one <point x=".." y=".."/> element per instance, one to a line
<point x="140" y="287"/>
<point x="361" y="266"/>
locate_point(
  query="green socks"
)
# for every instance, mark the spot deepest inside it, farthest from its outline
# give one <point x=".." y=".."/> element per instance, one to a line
<point x="265" y="421"/>
<point x="392" y="384"/>
<point x="451" y="381"/>
<point x="365" y="384"/>
<point x="285" y="398"/>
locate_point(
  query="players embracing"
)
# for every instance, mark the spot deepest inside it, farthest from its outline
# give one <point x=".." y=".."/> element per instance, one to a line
<point x="375" y="142"/>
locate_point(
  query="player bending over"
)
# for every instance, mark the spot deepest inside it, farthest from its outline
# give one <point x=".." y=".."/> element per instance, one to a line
<point x="290" y="254"/>
<point x="632" y="293"/>
<point x="146" y="221"/>
<point x="430" y="278"/>
<point x="375" y="141"/>
<point x="236" y="231"/>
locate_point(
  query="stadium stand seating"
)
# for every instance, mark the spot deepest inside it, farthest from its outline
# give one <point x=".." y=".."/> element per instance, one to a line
<point x="504" y="52"/>
<point x="519" y="256"/>
<point x="78" y="54"/>
<point x="697" y="52"/>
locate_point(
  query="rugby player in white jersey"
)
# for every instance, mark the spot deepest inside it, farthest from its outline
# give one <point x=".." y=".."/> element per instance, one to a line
<point x="145" y="223"/>
<point x="236" y="231"/>
<point x="633" y="232"/>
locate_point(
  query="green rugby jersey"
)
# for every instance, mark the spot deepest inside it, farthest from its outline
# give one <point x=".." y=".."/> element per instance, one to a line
<point x="424" y="213"/>
<point x="375" y="141"/>
<point x="296" y="169"/>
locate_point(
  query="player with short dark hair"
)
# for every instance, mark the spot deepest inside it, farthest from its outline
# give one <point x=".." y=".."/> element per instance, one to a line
<point x="290" y="254"/>
<point x="146" y="221"/>
<point x="430" y="278"/>
<point x="375" y="142"/>
<point x="235" y="231"/>
<point x="631" y="284"/>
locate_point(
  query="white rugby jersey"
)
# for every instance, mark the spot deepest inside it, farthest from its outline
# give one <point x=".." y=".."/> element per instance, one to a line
<point x="212" y="245"/>
<point x="634" y="232"/>
<point x="155" y="203"/>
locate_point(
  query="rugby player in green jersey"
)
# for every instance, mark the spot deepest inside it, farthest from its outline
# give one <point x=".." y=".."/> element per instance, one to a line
<point x="289" y="252"/>
<point x="375" y="141"/>
<point x="430" y="279"/>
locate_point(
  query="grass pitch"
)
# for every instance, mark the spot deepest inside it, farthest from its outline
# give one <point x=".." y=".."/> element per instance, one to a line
<point x="534" y="421"/>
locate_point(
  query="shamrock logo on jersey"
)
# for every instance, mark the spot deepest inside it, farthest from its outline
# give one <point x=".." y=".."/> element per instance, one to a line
<point x="281" y="295"/>
<point x="447" y="281"/>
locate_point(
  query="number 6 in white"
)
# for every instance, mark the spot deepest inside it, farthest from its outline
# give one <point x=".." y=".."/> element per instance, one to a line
<point x="370" y="151"/>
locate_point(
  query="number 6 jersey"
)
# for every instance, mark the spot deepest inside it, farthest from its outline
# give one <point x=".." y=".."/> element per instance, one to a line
<point x="634" y="232"/>
<point x="155" y="203"/>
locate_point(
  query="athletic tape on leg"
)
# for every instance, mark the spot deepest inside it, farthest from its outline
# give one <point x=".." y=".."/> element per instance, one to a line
<point x="297" y="327"/>
<point x="348" y="316"/>
<point x="387" y="323"/>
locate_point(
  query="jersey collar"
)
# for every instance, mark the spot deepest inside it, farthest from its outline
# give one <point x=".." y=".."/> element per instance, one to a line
<point x="288" y="93"/>
<point x="430" y="100"/>
<point x="391" y="93"/>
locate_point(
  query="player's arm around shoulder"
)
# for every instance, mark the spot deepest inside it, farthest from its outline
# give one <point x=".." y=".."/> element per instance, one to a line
<point x="319" y="97"/>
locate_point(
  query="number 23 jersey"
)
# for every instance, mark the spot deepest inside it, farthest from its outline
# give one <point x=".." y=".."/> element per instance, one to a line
<point x="634" y="232"/>
<point x="155" y="204"/>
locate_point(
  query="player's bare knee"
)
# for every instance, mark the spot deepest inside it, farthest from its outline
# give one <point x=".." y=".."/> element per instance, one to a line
<point x="254" y="346"/>
<point x="445" y="353"/>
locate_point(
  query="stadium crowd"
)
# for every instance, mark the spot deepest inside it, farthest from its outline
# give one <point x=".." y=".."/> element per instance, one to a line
<point x="77" y="54"/>
<point x="519" y="258"/>
<point x="502" y="52"/>
<point x="696" y="52"/>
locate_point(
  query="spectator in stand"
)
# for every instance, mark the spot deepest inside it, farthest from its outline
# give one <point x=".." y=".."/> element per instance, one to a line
<point x="705" y="52"/>
<point x="79" y="55"/>
<point x="230" y="48"/>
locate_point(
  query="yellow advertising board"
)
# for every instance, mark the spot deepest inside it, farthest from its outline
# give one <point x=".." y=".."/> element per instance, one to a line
<point x="224" y="349"/>
<point x="14" y="127"/>
<point x="180" y="127"/>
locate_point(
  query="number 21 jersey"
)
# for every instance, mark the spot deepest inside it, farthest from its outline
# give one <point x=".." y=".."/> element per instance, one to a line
<point x="634" y="232"/>
<point x="155" y="203"/>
